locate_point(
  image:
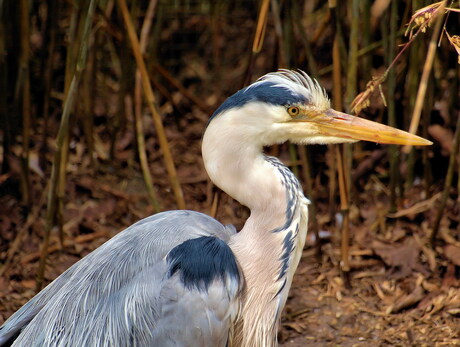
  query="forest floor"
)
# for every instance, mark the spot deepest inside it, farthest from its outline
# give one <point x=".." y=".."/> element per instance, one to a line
<point x="401" y="292"/>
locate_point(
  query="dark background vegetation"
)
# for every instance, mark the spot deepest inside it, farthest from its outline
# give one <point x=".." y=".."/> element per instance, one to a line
<point x="81" y="156"/>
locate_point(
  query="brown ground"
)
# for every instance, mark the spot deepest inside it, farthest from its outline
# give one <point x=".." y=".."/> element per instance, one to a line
<point x="402" y="293"/>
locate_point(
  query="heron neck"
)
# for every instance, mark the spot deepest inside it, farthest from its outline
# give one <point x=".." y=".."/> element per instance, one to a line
<point x="269" y="246"/>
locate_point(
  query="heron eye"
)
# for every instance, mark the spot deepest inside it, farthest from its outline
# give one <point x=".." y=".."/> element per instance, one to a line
<point x="293" y="111"/>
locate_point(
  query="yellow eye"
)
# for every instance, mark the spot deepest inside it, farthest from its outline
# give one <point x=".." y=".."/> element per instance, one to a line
<point x="293" y="111"/>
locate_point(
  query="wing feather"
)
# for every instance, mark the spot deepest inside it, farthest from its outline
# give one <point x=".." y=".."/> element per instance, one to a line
<point x="116" y="295"/>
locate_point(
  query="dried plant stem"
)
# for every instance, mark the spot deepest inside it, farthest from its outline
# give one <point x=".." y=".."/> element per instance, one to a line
<point x="214" y="205"/>
<point x="138" y="110"/>
<point x="303" y="155"/>
<point x="425" y="76"/>
<point x="447" y="184"/>
<point x="412" y="81"/>
<point x="26" y="124"/>
<point x="392" y="149"/>
<point x="261" y="26"/>
<point x="344" y="159"/>
<point x="47" y="75"/>
<point x="296" y="15"/>
<point x="337" y="103"/>
<point x="293" y="159"/>
<point x="366" y="65"/>
<point x="4" y="114"/>
<point x="60" y="141"/>
<point x="344" y="207"/>
<point x="75" y="39"/>
<point x="258" y="38"/>
<point x="150" y="98"/>
<point x="283" y="60"/>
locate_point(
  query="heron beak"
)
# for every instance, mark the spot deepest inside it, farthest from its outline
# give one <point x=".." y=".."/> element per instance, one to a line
<point x="338" y="124"/>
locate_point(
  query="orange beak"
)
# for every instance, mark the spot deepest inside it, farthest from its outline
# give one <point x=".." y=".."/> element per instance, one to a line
<point x="338" y="124"/>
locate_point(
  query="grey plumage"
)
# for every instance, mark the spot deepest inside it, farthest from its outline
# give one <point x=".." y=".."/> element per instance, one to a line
<point x="121" y="295"/>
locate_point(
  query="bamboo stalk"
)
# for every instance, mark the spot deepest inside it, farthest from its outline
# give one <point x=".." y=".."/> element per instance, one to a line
<point x="150" y="98"/>
<point x="304" y="160"/>
<point x="26" y="122"/>
<point x="296" y="15"/>
<point x="53" y="9"/>
<point x="261" y="26"/>
<point x="338" y="105"/>
<point x="282" y="51"/>
<point x="145" y="30"/>
<point x="87" y="90"/>
<point x="447" y="185"/>
<point x="413" y="77"/>
<point x="258" y="39"/>
<point x="75" y="39"/>
<point x="60" y="141"/>
<point x="4" y="117"/>
<point x="366" y="64"/>
<point x="344" y="159"/>
<point x="415" y="120"/>
<point x="344" y="207"/>
<point x="392" y="149"/>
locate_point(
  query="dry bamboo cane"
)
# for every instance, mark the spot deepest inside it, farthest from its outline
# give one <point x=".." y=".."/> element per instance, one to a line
<point x="26" y="123"/>
<point x="304" y="160"/>
<point x="393" y="151"/>
<point x="425" y="75"/>
<point x="447" y="184"/>
<point x="138" y="111"/>
<point x="258" y="38"/>
<point x="60" y="141"/>
<point x="283" y="59"/>
<point x="150" y="98"/>
<point x="344" y="159"/>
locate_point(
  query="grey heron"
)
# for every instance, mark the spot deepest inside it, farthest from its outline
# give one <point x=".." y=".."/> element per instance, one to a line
<point x="181" y="278"/>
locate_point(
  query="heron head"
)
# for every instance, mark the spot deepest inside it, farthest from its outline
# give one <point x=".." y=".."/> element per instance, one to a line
<point x="289" y="105"/>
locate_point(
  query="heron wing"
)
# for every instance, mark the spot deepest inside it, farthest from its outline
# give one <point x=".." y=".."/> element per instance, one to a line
<point x="124" y="292"/>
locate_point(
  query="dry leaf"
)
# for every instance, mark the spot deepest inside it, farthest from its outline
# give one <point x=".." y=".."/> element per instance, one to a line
<point x="404" y="257"/>
<point x="454" y="41"/>
<point x="407" y="300"/>
<point x="453" y="254"/>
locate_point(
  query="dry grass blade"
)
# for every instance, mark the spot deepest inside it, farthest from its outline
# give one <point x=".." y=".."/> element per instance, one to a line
<point x="150" y="98"/>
